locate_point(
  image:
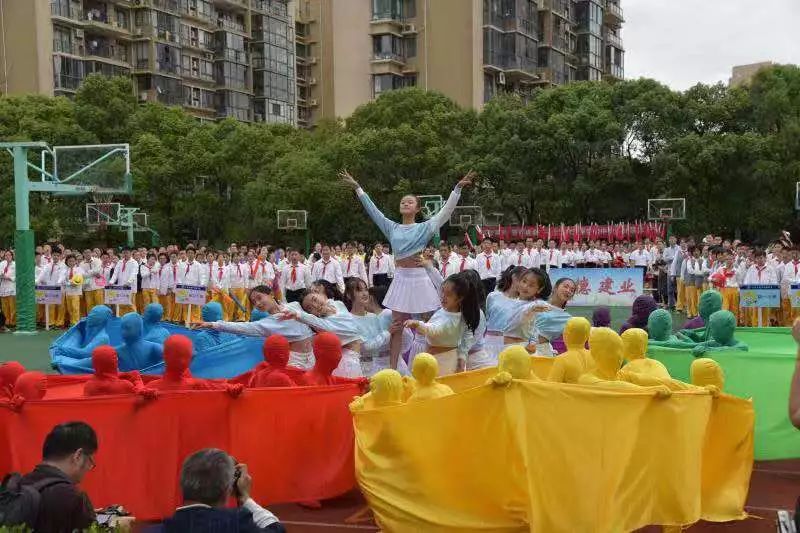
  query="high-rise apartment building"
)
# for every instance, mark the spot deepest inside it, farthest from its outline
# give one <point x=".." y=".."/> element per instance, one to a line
<point x="216" y="58"/>
<point x="348" y="53"/>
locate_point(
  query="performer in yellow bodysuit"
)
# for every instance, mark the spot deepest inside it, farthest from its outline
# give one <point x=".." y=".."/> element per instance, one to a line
<point x="576" y="361"/>
<point x="425" y="369"/>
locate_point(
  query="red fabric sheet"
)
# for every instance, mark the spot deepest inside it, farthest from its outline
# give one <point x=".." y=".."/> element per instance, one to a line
<point x="297" y="442"/>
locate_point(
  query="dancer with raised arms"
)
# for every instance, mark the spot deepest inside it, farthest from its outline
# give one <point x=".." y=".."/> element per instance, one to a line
<point x="411" y="292"/>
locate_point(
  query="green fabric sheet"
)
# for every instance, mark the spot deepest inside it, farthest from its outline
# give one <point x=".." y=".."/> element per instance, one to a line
<point x="764" y="374"/>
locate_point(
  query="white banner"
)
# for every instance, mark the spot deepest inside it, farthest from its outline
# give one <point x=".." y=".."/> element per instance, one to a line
<point x="118" y="295"/>
<point x="48" y="294"/>
<point x="190" y="295"/>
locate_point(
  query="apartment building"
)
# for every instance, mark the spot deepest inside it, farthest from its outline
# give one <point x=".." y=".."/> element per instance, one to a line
<point x="348" y="53"/>
<point x="216" y="58"/>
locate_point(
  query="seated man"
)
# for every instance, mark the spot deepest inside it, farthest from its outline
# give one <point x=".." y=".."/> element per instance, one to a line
<point x="208" y="478"/>
<point x="67" y="456"/>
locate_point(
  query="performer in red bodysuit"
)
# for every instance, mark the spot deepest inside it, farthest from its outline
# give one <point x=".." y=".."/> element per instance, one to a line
<point x="9" y="372"/>
<point x="327" y="354"/>
<point x="31" y="386"/>
<point x="177" y="377"/>
<point x="272" y="372"/>
<point x="107" y="379"/>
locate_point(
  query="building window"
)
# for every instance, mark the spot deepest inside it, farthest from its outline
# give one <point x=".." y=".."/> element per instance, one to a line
<point x="67" y="72"/>
<point x="276" y="109"/>
<point x="409" y="9"/>
<point x="386" y="9"/>
<point x="62" y="40"/>
<point x="411" y="46"/>
<point x="410" y="80"/>
<point x="387" y="47"/>
<point x="386" y="82"/>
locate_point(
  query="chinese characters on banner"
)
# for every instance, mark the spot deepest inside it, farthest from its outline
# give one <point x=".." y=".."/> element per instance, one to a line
<point x="46" y="294"/>
<point x="602" y="286"/>
<point x="190" y="295"/>
<point x="760" y="296"/>
<point x="118" y="295"/>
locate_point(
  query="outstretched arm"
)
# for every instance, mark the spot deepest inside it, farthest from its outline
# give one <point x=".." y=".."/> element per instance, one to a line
<point x="438" y="220"/>
<point x="383" y="223"/>
<point x="794" y="395"/>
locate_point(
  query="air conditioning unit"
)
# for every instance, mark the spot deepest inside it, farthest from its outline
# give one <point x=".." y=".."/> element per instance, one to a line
<point x="409" y="28"/>
<point x="312" y="81"/>
<point x="312" y="60"/>
<point x="208" y="55"/>
<point x="79" y="34"/>
<point x="138" y="31"/>
<point x="312" y="102"/>
<point x="501" y="78"/>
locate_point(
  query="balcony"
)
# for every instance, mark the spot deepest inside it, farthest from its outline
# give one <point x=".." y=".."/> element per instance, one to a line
<point x="551" y="76"/>
<point x="162" y="96"/>
<point x="170" y="6"/>
<point x="167" y="35"/>
<point x="60" y="47"/>
<point x="613" y="14"/>
<point x="515" y="24"/>
<point x="63" y="82"/>
<point x="380" y="57"/>
<point x="197" y="15"/>
<point x="196" y="74"/>
<point x="229" y="54"/>
<point x="614" y="40"/>
<point x="106" y="51"/>
<point x="99" y="22"/>
<point x="559" y="7"/>
<point x="229" y="25"/>
<point x="614" y="72"/>
<point x="511" y="64"/>
<point x="167" y="67"/>
<point x="68" y="13"/>
<point x="237" y="5"/>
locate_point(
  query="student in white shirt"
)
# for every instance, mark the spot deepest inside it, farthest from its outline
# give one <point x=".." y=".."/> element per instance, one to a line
<point x="488" y="265"/>
<point x="167" y="279"/>
<point x="52" y="274"/>
<point x="790" y="276"/>
<point x="8" y="288"/>
<point x="380" y="267"/>
<point x="464" y="261"/>
<point x="294" y="279"/>
<point x="194" y="274"/>
<point x="328" y="268"/>
<point x="551" y="256"/>
<point x="125" y="272"/>
<point x="759" y="273"/>
<point x="352" y="264"/>
<point x="239" y="275"/>
<point x="447" y="260"/>
<point x="92" y="268"/>
<point x="219" y="284"/>
<point x="149" y="272"/>
<point x="73" y="290"/>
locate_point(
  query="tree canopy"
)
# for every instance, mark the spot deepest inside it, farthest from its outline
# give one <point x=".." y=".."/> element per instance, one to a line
<point x="583" y="152"/>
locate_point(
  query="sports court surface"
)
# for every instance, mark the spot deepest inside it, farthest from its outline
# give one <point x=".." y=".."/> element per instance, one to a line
<point x="774" y="484"/>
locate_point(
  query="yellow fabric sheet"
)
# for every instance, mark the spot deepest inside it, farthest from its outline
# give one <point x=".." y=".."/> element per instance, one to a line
<point x="477" y="378"/>
<point x="550" y="457"/>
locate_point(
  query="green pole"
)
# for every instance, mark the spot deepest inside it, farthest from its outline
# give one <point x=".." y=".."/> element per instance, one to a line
<point x="131" y="241"/>
<point x="23" y="246"/>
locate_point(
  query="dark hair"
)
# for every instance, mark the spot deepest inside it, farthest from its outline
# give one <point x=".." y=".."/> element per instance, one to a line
<point x="545" y="286"/>
<point x="378" y="292"/>
<point x="470" y="307"/>
<point x="477" y="285"/>
<point x="351" y="285"/>
<point x="560" y="281"/>
<point x="263" y="289"/>
<point x="758" y="252"/>
<point x="508" y="275"/>
<point x="207" y="476"/>
<point x="67" y="438"/>
<point x="162" y="254"/>
<point x="331" y="291"/>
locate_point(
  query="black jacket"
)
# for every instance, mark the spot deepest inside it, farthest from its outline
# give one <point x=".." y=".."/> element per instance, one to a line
<point x="63" y="508"/>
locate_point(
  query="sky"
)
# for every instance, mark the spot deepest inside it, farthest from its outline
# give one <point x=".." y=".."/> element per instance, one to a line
<point x="684" y="42"/>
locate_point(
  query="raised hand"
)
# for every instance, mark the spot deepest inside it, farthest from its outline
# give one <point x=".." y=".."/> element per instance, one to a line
<point x="467" y="180"/>
<point x="348" y="179"/>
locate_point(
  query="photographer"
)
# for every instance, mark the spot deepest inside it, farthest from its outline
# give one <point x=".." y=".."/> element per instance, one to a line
<point x="208" y="478"/>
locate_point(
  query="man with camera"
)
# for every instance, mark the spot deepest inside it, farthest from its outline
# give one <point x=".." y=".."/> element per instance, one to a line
<point x="208" y="478"/>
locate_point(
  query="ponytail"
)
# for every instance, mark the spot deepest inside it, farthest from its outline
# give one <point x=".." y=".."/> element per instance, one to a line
<point x="470" y="306"/>
<point x="508" y="275"/>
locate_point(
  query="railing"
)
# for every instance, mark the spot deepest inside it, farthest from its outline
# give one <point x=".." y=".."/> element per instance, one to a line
<point x="167" y="35"/>
<point x="167" y="66"/>
<point x="199" y="75"/>
<point x="560" y="7"/>
<point x="507" y="61"/>
<point x="614" y="10"/>
<point x="168" y="98"/>
<point x="238" y="3"/>
<point x="615" y="71"/>
<point x="66" y="48"/>
<point x="513" y="23"/>
<point x="108" y="51"/>
<point x="187" y="40"/>
<point x="237" y="56"/>
<point x="560" y="42"/>
<point x="166" y="5"/>
<point x="69" y="83"/>
<point x="225" y="24"/>
<point x="614" y="40"/>
<point x="388" y="56"/>
<point x="196" y="13"/>
<point x="66" y="11"/>
<point x="236" y="112"/>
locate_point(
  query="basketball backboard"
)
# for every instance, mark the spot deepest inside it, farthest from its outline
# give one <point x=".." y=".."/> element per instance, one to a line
<point x="466" y="215"/>
<point x="292" y="220"/>
<point x="430" y="204"/>
<point x="100" y="214"/>
<point x="666" y="208"/>
<point x="100" y="169"/>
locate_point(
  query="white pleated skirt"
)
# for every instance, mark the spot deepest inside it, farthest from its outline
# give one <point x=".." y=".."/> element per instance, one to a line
<point x="301" y="360"/>
<point x="412" y="292"/>
<point x="448" y="361"/>
<point x="349" y="366"/>
<point x="382" y="363"/>
<point x="480" y="359"/>
<point x="493" y="344"/>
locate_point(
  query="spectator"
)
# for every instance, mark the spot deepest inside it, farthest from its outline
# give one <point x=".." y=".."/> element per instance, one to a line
<point x="67" y="456"/>
<point x="208" y="478"/>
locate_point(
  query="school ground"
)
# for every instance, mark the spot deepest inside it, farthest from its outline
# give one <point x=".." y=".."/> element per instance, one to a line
<point x="774" y="485"/>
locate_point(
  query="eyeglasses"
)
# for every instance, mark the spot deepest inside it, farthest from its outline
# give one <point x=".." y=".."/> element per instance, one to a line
<point x="92" y="464"/>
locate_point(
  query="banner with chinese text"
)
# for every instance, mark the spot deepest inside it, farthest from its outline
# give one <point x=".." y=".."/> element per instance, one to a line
<point x="49" y="294"/>
<point x="602" y="286"/>
<point x="760" y="296"/>
<point x="118" y="295"/>
<point x="190" y="295"/>
<point x="794" y="294"/>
